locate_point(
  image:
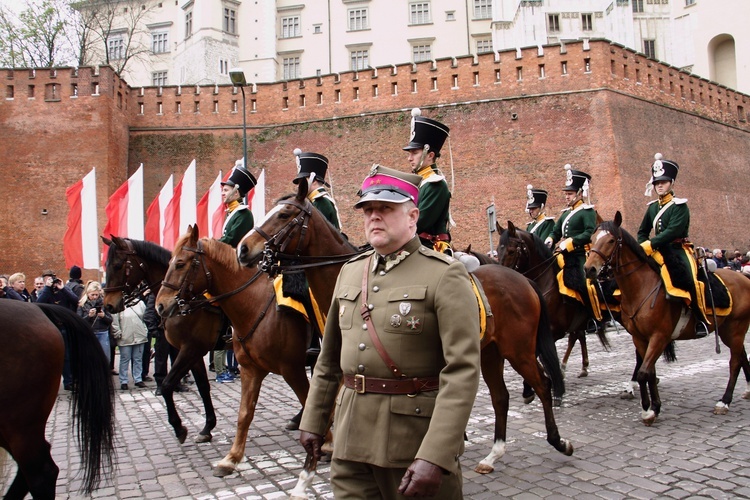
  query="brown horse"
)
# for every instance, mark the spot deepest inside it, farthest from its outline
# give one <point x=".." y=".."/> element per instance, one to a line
<point x="527" y="254"/>
<point x="266" y="338"/>
<point x="132" y="266"/>
<point x="30" y="336"/>
<point x="654" y="321"/>
<point x="518" y="332"/>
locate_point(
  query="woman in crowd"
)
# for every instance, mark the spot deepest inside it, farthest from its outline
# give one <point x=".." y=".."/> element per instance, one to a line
<point x="131" y="334"/>
<point x="90" y="308"/>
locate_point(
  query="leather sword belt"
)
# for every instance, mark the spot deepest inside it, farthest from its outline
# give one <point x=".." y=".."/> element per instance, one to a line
<point x="415" y="385"/>
<point x="435" y="237"/>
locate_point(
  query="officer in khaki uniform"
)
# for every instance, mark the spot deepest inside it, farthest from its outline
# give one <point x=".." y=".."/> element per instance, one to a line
<point x="403" y="407"/>
<point x="540" y="225"/>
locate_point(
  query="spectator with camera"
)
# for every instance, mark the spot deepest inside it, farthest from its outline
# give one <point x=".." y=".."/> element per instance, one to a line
<point x="90" y="307"/>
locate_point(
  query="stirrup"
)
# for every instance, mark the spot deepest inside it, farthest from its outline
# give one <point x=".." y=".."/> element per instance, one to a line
<point x="701" y="329"/>
<point x="594" y="326"/>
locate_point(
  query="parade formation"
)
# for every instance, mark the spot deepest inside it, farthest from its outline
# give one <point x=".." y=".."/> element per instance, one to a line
<point x="396" y="332"/>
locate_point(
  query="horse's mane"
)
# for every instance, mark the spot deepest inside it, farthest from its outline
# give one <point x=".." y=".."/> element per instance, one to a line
<point x="222" y="253"/>
<point x="144" y="249"/>
<point x="542" y="252"/>
<point x="338" y="235"/>
<point x="629" y="241"/>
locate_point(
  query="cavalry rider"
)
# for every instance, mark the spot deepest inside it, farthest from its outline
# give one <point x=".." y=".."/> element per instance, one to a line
<point x="313" y="166"/>
<point x="239" y="221"/>
<point x="540" y="225"/>
<point x="572" y="236"/>
<point x="669" y="218"/>
<point x="427" y="137"/>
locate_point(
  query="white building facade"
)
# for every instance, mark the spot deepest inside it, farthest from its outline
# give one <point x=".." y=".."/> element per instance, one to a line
<point x="197" y="42"/>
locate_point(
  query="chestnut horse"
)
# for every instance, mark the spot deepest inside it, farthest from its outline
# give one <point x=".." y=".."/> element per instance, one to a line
<point x="266" y="338"/>
<point x="654" y="321"/>
<point x="518" y="332"/>
<point x="527" y="254"/>
<point x="134" y="265"/>
<point x="31" y="336"/>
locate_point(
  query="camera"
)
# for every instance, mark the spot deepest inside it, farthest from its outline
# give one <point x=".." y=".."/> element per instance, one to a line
<point x="98" y="309"/>
<point x="56" y="280"/>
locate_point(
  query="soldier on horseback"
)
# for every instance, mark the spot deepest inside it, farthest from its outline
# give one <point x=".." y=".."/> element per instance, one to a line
<point x="313" y="166"/>
<point x="669" y="218"/>
<point x="540" y="225"/>
<point x="571" y="236"/>
<point x="427" y="137"/>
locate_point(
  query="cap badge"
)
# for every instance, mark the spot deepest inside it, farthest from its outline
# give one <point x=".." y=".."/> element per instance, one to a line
<point x="658" y="168"/>
<point x="568" y="178"/>
<point x="373" y="170"/>
<point x="529" y="196"/>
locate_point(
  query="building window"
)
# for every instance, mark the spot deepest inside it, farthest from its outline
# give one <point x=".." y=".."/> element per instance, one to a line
<point x="317" y="29"/>
<point x="689" y="2"/>
<point x="291" y="68"/>
<point x="223" y="67"/>
<point x="290" y="27"/>
<point x="360" y="59"/>
<point x="419" y="13"/>
<point x="587" y="22"/>
<point x="649" y="48"/>
<point x="482" y="9"/>
<point x="188" y="24"/>
<point x="230" y="20"/>
<point x="358" y="19"/>
<point x="553" y="23"/>
<point x="637" y="5"/>
<point x="450" y="15"/>
<point x="159" y="78"/>
<point x="421" y="53"/>
<point x="116" y="47"/>
<point x="484" y="45"/>
<point x="159" y="42"/>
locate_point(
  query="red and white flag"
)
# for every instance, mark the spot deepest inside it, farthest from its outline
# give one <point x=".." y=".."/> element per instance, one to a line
<point x="154" y="230"/>
<point x="211" y="210"/>
<point x="81" y="240"/>
<point x="181" y="210"/>
<point x="125" y="210"/>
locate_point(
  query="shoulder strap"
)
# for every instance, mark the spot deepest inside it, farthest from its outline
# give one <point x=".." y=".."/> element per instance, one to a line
<point x="661" y="212"/>
<point x="365" y="312"/>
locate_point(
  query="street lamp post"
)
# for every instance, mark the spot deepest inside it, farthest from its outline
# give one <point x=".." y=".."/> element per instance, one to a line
<point x="238" y="80"/>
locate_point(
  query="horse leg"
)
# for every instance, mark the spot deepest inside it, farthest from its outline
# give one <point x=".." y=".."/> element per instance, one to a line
<point x="629" y="392"/>
<point x="251" y="378"/>
<point x="204" y="389"/>
<point x="528" y="393"/>
<point x="492" y="373"/>
<point x="737" y="360"/>
<point x="572" y="337"/>
<point x="584" y="354"/>
<point x="186" y="358"/>
<point x="37" y="472"/>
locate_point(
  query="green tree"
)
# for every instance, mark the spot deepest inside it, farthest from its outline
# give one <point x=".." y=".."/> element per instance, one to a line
<point x="35" y="38"/>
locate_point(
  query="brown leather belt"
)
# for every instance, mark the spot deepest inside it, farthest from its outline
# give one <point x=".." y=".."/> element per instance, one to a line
<point x="415" y="385"/>
<point x="435" y="237"/>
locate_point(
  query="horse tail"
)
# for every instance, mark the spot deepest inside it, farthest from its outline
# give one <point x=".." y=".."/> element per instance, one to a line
<point x="603" y="339"/>
<point x="92" y="400"/>
<point x="669" y="353"/>
<point x="545" y="347"/>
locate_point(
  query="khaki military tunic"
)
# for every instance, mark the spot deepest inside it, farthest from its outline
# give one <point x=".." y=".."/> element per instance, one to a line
<point x="425" y="314"/>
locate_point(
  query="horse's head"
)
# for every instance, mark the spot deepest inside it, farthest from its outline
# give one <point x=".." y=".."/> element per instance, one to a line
<point x="124" y="271"/>
<point x="605" y="241"/>
<point x="512" y="250"/>
<point x="186" y="275"/>
<point x="284" y="230"/>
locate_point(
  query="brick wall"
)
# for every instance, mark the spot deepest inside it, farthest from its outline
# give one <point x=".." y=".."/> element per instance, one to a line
<point x="598" y="106"/>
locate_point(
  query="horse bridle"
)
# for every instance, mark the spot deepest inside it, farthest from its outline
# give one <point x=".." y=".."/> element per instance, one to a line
<point x="186" y="288"/>
<point x="275" y="249"/>
<point x="522" y="249"/>
<point x="131" y="294"/>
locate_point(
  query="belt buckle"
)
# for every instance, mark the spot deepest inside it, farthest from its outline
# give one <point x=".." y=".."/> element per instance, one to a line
<point x="359" y="383"/>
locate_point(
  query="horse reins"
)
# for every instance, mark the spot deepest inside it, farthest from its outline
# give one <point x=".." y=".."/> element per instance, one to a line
<point x="131" y="293"/>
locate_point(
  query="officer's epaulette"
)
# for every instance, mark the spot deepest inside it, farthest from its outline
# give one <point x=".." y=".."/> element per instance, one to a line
<point x="588" y="206"/>
<point x="564" y="210"/>
<point x="362" y="255"/>
<point x="436" y="255"/>
<point x="433" y="178"/>
<point x="679" y="201"/>
<point x="549" y="218"/>
<point x="651" y="202"/>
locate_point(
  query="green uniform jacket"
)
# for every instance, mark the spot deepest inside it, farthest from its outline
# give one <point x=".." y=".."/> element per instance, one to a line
<point x="672" y="225"/>
<point x="541" y="228"/>
<point x="237" y="225"/>
<point x="579" y="226"/>
<point x="424" y="311"/>
<point x="323" y="201"/>
<point x="434" y="203"/>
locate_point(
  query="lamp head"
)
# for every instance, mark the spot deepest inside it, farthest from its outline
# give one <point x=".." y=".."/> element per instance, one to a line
<point x="238" y="77"/>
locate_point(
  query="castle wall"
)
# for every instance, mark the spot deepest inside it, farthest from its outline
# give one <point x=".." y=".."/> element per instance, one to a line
<point x="515" y="118"/>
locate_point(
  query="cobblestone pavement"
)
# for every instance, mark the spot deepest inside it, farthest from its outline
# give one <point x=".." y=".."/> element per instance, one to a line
<point x="688" y="452"/>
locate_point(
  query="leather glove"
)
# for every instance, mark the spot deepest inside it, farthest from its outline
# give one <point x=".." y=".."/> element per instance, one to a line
<point x="566" y="245"/>
<point x="311" y="442"/>
<point x="422" y="479"/>
<point x="646" y="245"/>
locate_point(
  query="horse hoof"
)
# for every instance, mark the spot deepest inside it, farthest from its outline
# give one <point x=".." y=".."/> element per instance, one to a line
<point x="721" y="409"/>
<point x="223" y="470"/>
<point x="584" y="373"/>
<point x="746" y="395"/>
<point x="627" y="395"/>
<point x="484" y="469"/>
<point x="292" y="425"/>
<point x="182" y="434"/>
<point x="567" y="447"/>
<point x="556" y="402"/>
<point x="528" y="399"/>
<point x="648" y="421"/>
<point x="204" y="438"/>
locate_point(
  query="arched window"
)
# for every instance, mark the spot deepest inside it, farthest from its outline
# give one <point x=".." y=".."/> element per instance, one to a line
<point x="722" y="60"/>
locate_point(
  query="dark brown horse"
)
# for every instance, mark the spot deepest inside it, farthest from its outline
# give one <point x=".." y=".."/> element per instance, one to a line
<point x="518" y="332"/>
<point x="132" y="266"/>
<point x="266" y="338"/>
<point x="29" y="336"/>
<point x="527" y="254"/>
<point x="654" y="321"/>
